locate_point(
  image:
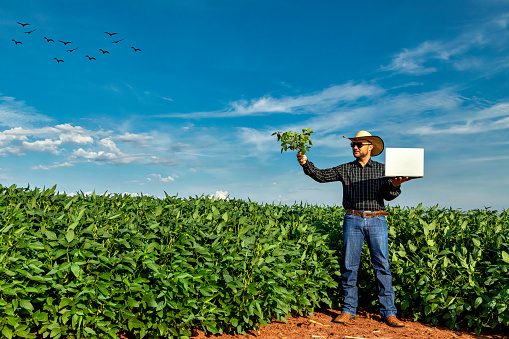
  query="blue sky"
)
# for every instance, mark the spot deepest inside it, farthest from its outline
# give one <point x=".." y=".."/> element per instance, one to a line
<point x="192" y="113"/>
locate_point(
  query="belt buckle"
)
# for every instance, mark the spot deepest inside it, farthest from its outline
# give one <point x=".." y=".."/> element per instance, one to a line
<point x="364" y="213"/>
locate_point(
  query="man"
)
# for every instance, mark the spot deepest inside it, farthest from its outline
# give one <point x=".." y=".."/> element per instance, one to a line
<point x="364" y="192"/>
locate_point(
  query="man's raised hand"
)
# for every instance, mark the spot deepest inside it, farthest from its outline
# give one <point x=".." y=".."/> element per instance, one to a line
<point x="302" y="158"/>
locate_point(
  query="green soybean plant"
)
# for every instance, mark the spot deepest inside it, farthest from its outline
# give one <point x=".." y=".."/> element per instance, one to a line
<point x="295" y="140"/>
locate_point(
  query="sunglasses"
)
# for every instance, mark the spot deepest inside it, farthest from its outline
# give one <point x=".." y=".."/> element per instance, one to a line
<point x="359" y="144"/>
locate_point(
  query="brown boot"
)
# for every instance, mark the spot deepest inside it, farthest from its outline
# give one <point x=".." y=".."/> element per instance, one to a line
<point x="394" y="322"/>
<point x="345" y="319"/>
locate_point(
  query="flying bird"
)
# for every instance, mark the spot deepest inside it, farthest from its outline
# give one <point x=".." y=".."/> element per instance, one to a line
<point x="48" y="40"/>
<point x="136" y="49"/>
<point x="90" y="58"/>
<point x="65" y="42"/>
<point x="110" y="34"/>
<point x="17" y="42"/>
<point x="31" y="31"/>
<point x="58" y="60"/>
<point x="116" y="42"/>
<point x="104" y="52"/>
<point x="23" y="24"/>
<point x="70" y="50"/>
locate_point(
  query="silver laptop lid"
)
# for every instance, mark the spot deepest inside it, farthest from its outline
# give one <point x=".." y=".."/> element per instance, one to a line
<point x="404" y="162"/>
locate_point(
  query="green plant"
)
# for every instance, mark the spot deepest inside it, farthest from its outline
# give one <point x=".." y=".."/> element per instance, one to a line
<point x="451" y="267"/>
<point x="295" y="140"/>
<point x="90" y="266"/>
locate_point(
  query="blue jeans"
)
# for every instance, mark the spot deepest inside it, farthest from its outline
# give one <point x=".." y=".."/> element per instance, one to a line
<point x="374" y="230"/>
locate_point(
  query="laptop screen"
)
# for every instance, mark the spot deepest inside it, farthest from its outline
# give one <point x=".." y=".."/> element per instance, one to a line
<point x="404" y="162"/>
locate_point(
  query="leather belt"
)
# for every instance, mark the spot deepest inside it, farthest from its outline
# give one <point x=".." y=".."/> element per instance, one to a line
<point x="367" y="214"/>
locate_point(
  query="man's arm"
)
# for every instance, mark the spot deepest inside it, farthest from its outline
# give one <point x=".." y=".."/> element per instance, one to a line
<point x="392" y="189"/>
<point x="320" y="175"/>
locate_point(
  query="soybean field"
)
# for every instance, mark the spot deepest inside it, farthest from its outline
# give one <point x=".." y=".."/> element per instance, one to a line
<point x="90" y="266"/>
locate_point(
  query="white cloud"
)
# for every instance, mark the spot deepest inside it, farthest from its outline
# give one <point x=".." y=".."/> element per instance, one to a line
<point x="100" y="156"/>
<point x="410" y="61"/>
<point x="473" y="63"/>
<point x="109" y="144"/>
<point x="402" y="104"/>
<point x="120" y="158"/>
<point x="59" y="141"/>
<point x="304" y="104"/>
<point x="10" y="150"/>
<point x="14" y="113"/>
<point x="75" y="138"/>
<point x="338" y="120"/>
<point x="484" y="159"/>
<point x="261" y="139"/>
<point x="59" y="135"/>
<point x="47" y="146"/>
<point x="404" y="111"/>
<point x="160" y="178"/>
<point x="221" y="195"/>
<point x="6" y="137"/>
<point x="328" y="97"/>
<point x="139" y="140"/>
<point x="466" y="128"/>
<point x="330" y="140"/>
<point x="492" y="118"/>
<point x="57" y="165"/>
<point x="492" y="34"/>
<point x="117" y="158"/>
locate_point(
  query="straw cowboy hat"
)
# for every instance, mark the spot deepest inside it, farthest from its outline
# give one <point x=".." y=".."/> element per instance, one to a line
<point x="378" y="144"/>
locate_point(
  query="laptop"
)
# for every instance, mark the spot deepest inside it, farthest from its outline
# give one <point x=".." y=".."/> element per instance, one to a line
<point x="404" y="162"/>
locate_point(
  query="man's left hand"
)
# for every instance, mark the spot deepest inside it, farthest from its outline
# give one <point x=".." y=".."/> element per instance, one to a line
<point x="396" y="182"/>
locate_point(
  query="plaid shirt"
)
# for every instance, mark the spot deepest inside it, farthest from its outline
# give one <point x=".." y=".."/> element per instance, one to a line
<point x="361" y="191"/>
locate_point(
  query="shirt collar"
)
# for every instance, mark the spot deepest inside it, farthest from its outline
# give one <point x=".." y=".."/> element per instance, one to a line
<point x="368" y="164"/>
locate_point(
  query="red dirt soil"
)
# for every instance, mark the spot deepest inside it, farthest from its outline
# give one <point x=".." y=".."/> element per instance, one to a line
<point x="367" y="326"/>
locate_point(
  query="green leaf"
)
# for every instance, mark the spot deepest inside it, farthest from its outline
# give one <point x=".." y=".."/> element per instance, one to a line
<point x="5" y="229"/>
<point x="41" y="316"/>
<point x="75" y="269"/>
<point x="133" y="303"/>
<point x="89" y="330"/>
<point x="36" y="246"/>
<point x="69" y="236"/>
<point x="7" y="332"/>
<point x="56" y="331"/>
<point x="478" y="302"/>
<point x="76" y="221"/>
<point x="76" y="319"/>
<point x="50" y="235"/>
<point x="430" y="297"/>
<point x="505" y="257"/>
<point x="26" y="304"/>
<point x="13" y="321"/>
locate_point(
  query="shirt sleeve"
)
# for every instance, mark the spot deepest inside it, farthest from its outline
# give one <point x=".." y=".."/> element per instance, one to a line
<point x="322" y="175"/>
<point x="389" y="192"/>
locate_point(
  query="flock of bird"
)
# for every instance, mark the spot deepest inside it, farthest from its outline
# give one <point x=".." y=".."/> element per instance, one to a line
<point x="90" y="58"/>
